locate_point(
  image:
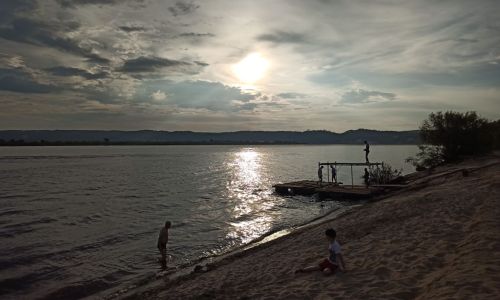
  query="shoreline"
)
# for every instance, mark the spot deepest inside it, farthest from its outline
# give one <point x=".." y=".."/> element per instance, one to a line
<point x="185" y="271"/>
<point x="260" y="270"/>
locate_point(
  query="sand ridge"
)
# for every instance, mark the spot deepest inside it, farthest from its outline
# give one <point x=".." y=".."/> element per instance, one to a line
<point x="440" y="239"/>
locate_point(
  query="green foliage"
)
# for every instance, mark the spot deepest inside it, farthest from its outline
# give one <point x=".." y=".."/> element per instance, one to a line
<point x="384" y="174"/>
<point x="451" y="135"/>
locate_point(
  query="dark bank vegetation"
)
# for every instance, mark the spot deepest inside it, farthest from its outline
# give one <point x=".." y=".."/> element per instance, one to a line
<point x="451" y="136"/>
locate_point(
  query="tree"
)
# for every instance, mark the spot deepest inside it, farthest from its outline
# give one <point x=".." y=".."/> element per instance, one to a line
<point x="457" y="133"/>
<point x="451" y="135"/>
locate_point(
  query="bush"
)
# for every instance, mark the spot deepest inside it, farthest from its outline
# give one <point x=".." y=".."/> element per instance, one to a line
<point x="384" y="174"/>
<point x="428" y="156"/>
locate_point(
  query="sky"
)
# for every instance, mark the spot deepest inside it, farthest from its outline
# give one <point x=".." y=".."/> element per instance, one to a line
<point x="218" y="65"/>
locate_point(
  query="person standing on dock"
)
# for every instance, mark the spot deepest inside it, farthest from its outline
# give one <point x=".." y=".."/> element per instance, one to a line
<point x="320" y="174"/>
<point x="162" y="243"/>
<point x="366" y="177"/>
<point x="367" y="151"/>
<point x="334" y="173"/>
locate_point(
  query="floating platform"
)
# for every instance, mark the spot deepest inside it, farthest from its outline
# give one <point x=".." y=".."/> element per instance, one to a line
<point x="337" y="191"/>
<point x="332" y="190"/>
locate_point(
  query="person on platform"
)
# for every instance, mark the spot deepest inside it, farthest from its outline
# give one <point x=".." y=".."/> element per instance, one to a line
<point x="320" y="175"/>
<point x="366" y="177"/>
<point x="367" y="151"/>
<point x="334" y="173"/>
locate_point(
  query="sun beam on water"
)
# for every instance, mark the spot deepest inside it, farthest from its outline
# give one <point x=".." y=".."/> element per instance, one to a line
<point x="250" y="219"/>
<point x="248" y="167"/>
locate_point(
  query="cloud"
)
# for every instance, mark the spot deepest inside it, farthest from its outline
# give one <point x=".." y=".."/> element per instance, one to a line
<point x="37" y="32"/>
<point x="132" y="28"/>
<point x="364" y="96"/>
<point x="283" y="37"/>
<point x="182" y="8"/>
<point x="69" y="71"/>
<point x="152" y="66"/>
<point x="149" y="64"/>
<point x="194" y="34"/>
<point x="291" y="95"/>
<point x="200" y="63"/>
<point x="158" y="96"/>
<point x="10" y="8"/>
<point x="246" y="106"/>
<point x="74" y="3"/>
<point x="16" y="80"/>
<point x="197" y="94"/>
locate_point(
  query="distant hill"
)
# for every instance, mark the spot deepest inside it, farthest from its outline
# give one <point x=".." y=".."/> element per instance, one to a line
<point x="97" y="137"/>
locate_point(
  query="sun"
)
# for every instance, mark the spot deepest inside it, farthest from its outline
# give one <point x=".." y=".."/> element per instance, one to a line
<point x="251" y="68"/>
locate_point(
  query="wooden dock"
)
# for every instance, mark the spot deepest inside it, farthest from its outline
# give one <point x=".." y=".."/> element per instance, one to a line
<point x="336" y="191"/>
<point x="333" y="191"/>
<point x="327" y="190"/>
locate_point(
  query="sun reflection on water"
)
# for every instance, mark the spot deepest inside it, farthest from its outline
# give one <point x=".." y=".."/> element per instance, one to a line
<point x="250" y="214"/>
<point x="248" y="163"/>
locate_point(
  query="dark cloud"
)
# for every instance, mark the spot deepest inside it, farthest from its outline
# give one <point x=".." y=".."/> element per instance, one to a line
<point x="291" y="95"/>
<point x="283" y="37"/>
<point x="16" y="80"/>
<point x="35" y="32"/>
<point x="76" y="3"/>
<point x="73" y="3"/>
<point x="364" y="96"/>
<point x="183" y="8"/>
<point x="200" y="63"/>
<point x="145" y="66"/>
<point x="197" y="35"/>
<point x="149" y="64"/>
<point x="68" y="71"/>
<point x="10" y="8"/>
<point x="194" y="38"/>
<point x="132" y="28"/>
<point x="96" y="58"/>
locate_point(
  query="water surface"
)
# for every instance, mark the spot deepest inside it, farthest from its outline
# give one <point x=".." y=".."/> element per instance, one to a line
<point x="77" y="221"/>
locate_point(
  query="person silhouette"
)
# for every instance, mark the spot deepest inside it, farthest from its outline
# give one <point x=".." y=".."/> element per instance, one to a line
<point x="320" y="174"/>
<point x="162" y="243"/>
<point x="367" y="151"/>
<point x="366" y="177"/>
<point x="334" y="173"/>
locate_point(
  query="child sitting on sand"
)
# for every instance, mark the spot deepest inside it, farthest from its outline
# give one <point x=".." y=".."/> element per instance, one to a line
<point x="333" y="261"/>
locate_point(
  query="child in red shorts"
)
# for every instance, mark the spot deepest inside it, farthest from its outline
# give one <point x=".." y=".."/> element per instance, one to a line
<point x="333" y="261"/>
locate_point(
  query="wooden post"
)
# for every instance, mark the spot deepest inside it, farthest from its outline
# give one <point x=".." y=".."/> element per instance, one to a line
<point x="328" y="172"/>
<point x="319" y="165"/>
<point x="352" y="178"/>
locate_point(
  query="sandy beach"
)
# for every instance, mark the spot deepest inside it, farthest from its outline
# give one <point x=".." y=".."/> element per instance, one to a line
<point x="439" y="238"/>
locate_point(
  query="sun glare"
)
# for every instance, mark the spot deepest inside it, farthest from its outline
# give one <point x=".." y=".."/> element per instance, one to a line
<point x="251" y="68"/>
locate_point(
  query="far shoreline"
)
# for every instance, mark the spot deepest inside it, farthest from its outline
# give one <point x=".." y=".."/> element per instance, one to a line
<point x="193" y="144"/>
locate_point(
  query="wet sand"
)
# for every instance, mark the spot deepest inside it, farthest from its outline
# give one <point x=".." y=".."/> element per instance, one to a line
<point x="438" y="238"/>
